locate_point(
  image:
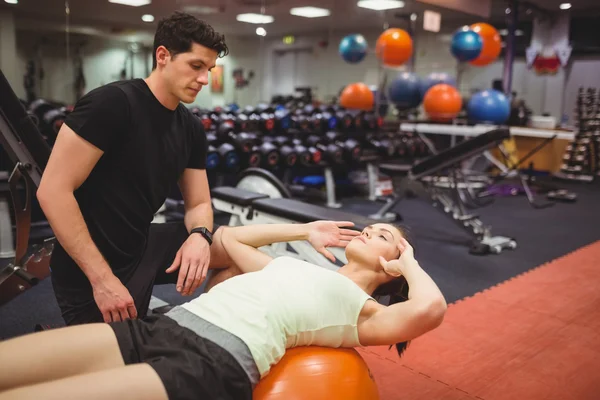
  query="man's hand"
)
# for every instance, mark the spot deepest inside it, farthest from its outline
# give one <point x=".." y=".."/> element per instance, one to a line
<point x="323" y="234"/>
<point x="194" y="258"/>
<point x="113" y="300"/>
<point x="396" y="267"/>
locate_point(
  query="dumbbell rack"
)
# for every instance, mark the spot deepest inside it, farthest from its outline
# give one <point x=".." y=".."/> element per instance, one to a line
<point x="580" y="160"/>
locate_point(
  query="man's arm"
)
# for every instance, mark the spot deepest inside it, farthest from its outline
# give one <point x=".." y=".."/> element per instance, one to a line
<point x="99" y="119"/>
<point x="193" y="258"/>
<point x="196" y="197"/>
<point x="70" y="163"/>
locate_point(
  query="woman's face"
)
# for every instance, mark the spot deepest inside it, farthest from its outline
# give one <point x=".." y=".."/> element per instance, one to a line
<point x="374" y="241"/>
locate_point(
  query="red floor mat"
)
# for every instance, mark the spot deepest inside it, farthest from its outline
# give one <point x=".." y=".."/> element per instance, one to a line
<point x="536" y="336"/>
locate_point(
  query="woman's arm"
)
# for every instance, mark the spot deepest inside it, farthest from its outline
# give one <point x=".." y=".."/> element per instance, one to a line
<point x="242" y="242"/>
<point x="401" y="322"/>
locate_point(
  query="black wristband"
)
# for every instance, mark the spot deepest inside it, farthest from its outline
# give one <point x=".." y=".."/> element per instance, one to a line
<point x="204" y="232"/>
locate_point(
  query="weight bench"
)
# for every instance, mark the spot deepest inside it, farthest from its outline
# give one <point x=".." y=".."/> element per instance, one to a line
<point x="451" y="191"/>
<point x="248" y="208"/>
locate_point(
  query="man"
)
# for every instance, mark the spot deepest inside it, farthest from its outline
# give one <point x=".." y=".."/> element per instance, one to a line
<point x="115" y="160"/>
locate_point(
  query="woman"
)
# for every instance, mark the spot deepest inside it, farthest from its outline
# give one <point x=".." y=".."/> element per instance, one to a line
<point x="220" y="344"/>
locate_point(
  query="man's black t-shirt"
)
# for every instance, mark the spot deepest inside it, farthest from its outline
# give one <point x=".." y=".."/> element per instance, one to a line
<point x="146" y="148"/>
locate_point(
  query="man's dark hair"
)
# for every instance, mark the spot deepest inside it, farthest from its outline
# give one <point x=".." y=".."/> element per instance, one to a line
<point x="178" y="31"/>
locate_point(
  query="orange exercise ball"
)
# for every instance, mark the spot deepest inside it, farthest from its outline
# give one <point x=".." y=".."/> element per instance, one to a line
<point x="318" y="373"/>
<point x="492" y="44"/>
<point x="357" y="96"/>
<point x="394" y="47"/>
<point x="442" y="102"/>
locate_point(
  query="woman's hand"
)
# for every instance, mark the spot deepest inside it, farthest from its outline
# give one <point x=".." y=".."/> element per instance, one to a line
<point x="396" y="267"/>
<point x="323" y="234"/>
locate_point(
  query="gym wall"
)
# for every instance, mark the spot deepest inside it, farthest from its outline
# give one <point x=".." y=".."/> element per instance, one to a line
<point x="323" y="69"/>
<point x="243" y="53"/>
<point x="103" y="61"/>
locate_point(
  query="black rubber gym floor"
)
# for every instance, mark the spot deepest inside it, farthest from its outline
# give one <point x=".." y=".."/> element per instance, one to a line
<point x="441" y="246"/>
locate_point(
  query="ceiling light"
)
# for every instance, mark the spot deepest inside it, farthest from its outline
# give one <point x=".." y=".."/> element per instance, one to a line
<point x="260" y="31"/>
<point x="202" y="10"/>
<point x="565" y="6"/>
<point x="12" y="1"/>
<point x="148" y="18"/>
<point x="255" y="18"/>
<point x="133" y="3"/>
<point x="310" y="12"/>
<point x="380" y="5"/>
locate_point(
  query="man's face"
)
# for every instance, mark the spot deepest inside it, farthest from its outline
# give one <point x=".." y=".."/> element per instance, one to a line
<point x="186" y="73"/>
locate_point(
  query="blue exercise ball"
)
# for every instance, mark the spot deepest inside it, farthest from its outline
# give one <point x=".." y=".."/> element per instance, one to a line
<point x="466" y="44"/>
<point x="433" y="79"/>
<point x="404" y="91"/>
<point x="353" y="48"/>
<point x="488" y="106"/>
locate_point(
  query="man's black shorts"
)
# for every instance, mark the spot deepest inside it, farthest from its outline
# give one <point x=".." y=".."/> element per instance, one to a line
<point x="190" y="367"/>
<point x="77" y="302"/>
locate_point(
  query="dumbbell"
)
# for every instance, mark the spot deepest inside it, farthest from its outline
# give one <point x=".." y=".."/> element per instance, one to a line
<point x="296" y="140"/>
<point x="385" y="146"/>
<point x="323" y="122"/>
<point x="345" y="120"/>
<point x="309" y="110"/>
<point x="304" y="156"/>
<point x="300" y="121"/>
<point x="257" y="152"/>
<point x="206" y="121"/>
<point x="366" y="121"/>
<point x="332" y="153"/>
<point x="282" y="121"/>
<point x="316" y="155"/>
<point x="226" y="157"/>
<point x="269" y="153"/>
<point x="243" y="142"/>
<point x="288" y="155"/>
<point x="213" y="158"/>
<point x="264" y="108"/>
<point x="351" y="148"/>
<point x="267" y="123"/>
<point x="253" y="121"/>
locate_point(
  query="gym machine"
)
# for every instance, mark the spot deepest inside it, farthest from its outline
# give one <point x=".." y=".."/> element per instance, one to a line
<point x="453" y="192"/>
<point x="262" y="197"/>
<point x="29" y="153"/>
<point x="449" y="197"/>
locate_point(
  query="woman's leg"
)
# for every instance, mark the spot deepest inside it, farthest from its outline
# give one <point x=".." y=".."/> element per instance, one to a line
<point x="59" y="353"/>
<point x="133" y="382"/>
